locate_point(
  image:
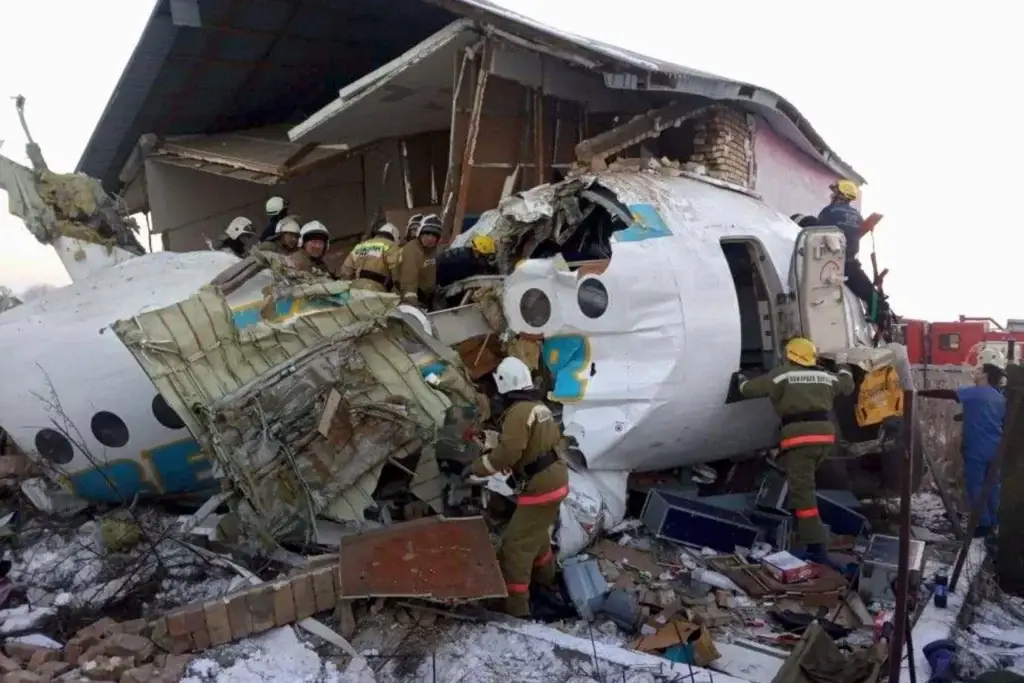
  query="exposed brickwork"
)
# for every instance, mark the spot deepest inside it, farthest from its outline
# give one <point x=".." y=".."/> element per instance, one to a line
<point x="723" y="144"/>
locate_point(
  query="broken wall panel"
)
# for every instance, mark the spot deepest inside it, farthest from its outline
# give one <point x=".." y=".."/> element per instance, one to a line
<point x="435" y="558"/>
<point x="192" y="206"/>
<point x="506" y="139"/>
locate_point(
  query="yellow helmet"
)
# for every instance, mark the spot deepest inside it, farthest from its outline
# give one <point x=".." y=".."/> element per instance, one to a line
<point x="483" y="244"/>
<point x="801" y="351"/>
<point x="847" y="189"/>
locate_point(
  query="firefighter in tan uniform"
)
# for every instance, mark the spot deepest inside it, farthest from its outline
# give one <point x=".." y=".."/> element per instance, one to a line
<point x="802" y="395"/>
<point x="416" y="271"/>
<point x="285" y="239"/>
<point x="373" y="263"/>
<point x="529" y="434"/>
<point x="314" y="241"/>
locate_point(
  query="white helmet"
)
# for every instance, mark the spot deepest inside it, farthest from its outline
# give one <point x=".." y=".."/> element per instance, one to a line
<point x="312" y="230"/>
<point x="389" y="230"/>
<point x="276" y="205"/>
<point x="288" y="224"/>
<point x="238" y="227"/>
<point x="512" y="375"/>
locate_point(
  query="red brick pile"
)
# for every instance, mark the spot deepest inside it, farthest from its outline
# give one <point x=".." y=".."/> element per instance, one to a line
<point x="103" y="652"/>
<point x="141" y="652"/>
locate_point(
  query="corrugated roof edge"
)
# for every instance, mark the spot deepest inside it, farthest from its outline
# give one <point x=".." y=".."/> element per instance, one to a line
<point x="487" y="12"/>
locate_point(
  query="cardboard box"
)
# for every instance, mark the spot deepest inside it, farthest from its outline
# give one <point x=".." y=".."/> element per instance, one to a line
<point x="786" y="568"/>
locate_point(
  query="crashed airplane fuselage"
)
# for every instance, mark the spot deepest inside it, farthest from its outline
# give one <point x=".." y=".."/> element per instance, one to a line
<point x="672" y="284"/>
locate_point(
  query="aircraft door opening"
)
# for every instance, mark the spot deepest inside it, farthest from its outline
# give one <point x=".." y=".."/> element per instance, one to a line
<point x="758" y="350"/>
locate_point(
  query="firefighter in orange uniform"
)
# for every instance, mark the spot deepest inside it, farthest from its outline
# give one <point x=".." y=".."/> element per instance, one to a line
<point x="802" y="395"/>
<point x="529" y="434"/>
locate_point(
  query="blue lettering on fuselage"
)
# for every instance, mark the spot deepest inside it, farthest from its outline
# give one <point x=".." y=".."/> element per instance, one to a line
<point x="178" y="467"/>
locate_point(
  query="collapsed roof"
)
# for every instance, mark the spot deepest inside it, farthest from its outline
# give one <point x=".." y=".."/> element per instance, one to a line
<point x="207" y="66"/>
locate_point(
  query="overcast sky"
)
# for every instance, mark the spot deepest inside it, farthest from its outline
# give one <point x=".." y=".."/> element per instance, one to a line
<point x="920" y="98"/>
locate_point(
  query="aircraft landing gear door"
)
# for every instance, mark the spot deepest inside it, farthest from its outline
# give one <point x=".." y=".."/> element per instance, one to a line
<point x="817" y="279"/>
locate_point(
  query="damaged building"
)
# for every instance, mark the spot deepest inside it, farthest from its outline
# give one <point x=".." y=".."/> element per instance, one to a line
<point x="466" y="111"/>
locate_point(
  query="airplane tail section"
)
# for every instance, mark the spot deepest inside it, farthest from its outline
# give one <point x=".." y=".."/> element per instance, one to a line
<point x="70" y="212"/>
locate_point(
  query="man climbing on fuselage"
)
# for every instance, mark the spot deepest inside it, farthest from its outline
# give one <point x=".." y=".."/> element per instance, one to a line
<point x="373" y="263"/>
<point x="529" y="434"/>
<point x="841" y="213"/>
<point x="802" y="395"/>
<point x="984" y="411"/>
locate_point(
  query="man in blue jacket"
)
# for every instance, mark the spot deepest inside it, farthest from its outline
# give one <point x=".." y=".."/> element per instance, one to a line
<point x="984" y="410"/>
<point x="842" y="214"/>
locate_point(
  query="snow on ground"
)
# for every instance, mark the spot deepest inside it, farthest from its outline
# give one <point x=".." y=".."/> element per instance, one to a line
<point x="993" y="639"/>
<point x="450" y="652"/>
<point x="67" y="568"/>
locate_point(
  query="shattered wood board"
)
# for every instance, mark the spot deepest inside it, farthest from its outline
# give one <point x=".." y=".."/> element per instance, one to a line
<point x="434" y="558"/>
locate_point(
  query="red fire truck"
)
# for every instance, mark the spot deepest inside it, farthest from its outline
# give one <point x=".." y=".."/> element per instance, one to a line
<point x="958" y="343"/>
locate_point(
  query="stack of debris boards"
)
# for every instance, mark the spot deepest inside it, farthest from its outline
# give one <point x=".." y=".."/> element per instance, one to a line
<point x="712" y="578"/>
<point x="723" y="144"/>
<point x="304" y="394"/>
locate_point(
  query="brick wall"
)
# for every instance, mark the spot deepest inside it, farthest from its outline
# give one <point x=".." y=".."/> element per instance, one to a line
<point x="723" y="144"/>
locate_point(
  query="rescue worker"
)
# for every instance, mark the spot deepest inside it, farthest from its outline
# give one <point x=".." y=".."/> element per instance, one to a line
<point x="238" y="237"/>
<point x="412" y="226"/>
<point x="476" y="258"/>
<point x="417" y="271"/>
<point x="277" y="209"/>
<point x="844" y="215"/>
<point x="373" y="263"/>
<point x="314" y="240"/>
<point x="285" y="240"/>
<point x="529" y="434"/>
<point x="984" y="411"/>
<point x="802" y="395"/>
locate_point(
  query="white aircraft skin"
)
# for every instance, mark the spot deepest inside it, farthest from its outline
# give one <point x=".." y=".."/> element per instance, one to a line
<point x="644" y="384"/>
<point x="55" y="348"/>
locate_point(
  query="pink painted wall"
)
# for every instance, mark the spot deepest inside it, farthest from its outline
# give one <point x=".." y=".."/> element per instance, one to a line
<point x="789" y="180"/>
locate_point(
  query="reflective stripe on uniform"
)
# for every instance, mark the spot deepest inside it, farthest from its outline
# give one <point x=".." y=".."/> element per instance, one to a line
<point x="544" y="559"/>
<point x="806" y="377"/>
<point x="808" y="440"/>
<point x="806" y="513"/>
<point x="544" y="498"/>
<point x="485" y="460"/>
<point x="517" y="588"/>
<point x="844" y="371"/>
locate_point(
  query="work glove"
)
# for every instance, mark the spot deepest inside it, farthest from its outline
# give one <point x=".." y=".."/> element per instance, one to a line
<point x="734" y="394"/>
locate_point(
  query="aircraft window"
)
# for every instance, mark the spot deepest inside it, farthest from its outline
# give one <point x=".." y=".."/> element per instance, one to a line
<point x="535" y="307"/>
<point x="165" y="415"/>
<point x="54" y="446"/>
<point x="592" y="297"/>
<point x="109" y="429"/>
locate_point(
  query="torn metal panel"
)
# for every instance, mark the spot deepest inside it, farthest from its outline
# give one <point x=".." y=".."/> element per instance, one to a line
<point x="257" y="381"/>
<point x="72" y="213"/>
<point x="435" y="558"/>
